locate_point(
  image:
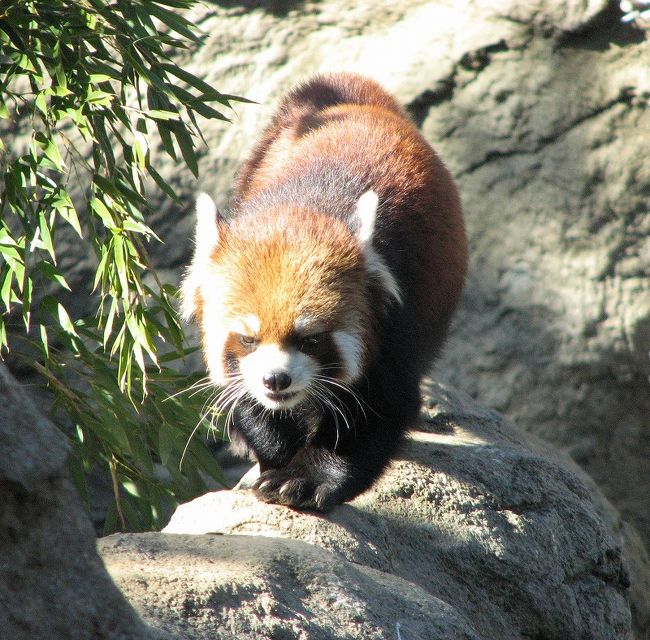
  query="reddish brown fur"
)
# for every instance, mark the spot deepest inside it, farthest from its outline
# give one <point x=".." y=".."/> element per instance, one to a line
<point x="312" y="269"/>
<point x="298" y="108"/>
<point x="297" y="247"/>
<point x="408" y="176"/>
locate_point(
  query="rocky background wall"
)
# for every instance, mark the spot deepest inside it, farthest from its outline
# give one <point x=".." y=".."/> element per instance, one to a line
<point x="540" y="109"/>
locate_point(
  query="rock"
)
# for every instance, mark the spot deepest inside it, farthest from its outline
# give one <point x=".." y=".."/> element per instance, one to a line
<point x="482" y="531"/>
<point x="205" y="587"/>
<point x="540" y="109"/>
<point x="52" y="582"/>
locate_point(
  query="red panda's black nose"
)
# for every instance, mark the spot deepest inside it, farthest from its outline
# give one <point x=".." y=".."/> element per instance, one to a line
<point x="276" y="381"/>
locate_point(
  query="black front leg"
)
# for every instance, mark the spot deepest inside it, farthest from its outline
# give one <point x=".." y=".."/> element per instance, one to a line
<point x="315" y="478"/>
<point x="273" y="437"/>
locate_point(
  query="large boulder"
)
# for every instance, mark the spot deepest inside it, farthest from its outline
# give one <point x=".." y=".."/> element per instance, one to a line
<point x="475" y="531"/>
<point x="52" y="582"/>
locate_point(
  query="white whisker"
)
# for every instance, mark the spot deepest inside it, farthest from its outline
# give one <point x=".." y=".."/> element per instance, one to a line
<point x="197" y="386"/>
<point x="220" y="400"/>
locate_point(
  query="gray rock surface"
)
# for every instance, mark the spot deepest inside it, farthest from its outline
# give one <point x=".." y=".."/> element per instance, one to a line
<point x="540" y="110"/>
<point x="474" y="526"/>
<point x="206" y="587"/>
<point x="53" y="584"/>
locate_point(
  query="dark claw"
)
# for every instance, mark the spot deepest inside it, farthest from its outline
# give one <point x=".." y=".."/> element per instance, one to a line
<point x="278" y="486"/>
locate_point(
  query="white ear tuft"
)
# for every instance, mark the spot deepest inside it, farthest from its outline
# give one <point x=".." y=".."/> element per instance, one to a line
<point x="377" y="267"/>
<point x="206" y="239"/>
<point x="367" y="213"/>
<point x="207" y="232"/>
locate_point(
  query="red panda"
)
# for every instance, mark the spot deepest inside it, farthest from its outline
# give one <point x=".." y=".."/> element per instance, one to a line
<point x="324" y="298"/>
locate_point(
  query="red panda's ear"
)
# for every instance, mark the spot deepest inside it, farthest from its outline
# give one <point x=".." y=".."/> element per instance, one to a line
<point x="366" y="215"/>
<point x="377" y="267"/>
<point x="207" y="229"/>
<point x="206" y="239"/>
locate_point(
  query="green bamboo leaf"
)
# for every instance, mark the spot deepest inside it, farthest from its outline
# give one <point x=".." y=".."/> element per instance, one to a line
<point x="80" y="66"/>
<point x="110" y="318"/>
<point x="9" y="249"/>
<point x="105" y="69"/>
<point x="64" y="320"/>
<point x="63" y="205"/>
<point x="140" y="149"/>
<point x="160" y="114"/>
<point x="6" y="289"/>
<point x="187" y="149"/>
<point x="96" y="78"/>
<point x="27" y="303"/>
<point x="100" y="209"/>
<point x="45" y="343"/>
<point x="165" y="132"/>
<point x="207" y="111"/>
<point x="101" y="98"/>
<point x="61" y="91"/>
<point x="139" y="227"/>
<point x="50" y="149"/>
<point x="4" y="343"/>
<point x="52" y="273"/>
<point x="190" y="79"/>
<point x="175" y="22"/>
<point x="160" y="181"/>
<point x="101" y="272"/>
<point x="41" y="103"/>
<point x="119" y="257"/>
<point x="46" y="236"/>
<point x="128" y="192"/>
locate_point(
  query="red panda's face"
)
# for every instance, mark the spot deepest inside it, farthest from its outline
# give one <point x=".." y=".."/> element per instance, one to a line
<point x="282" y="301"/>
<point x="284" y="306"/>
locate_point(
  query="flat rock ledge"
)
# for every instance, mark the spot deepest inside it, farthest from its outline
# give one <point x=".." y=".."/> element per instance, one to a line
<point x="476" y="531"/>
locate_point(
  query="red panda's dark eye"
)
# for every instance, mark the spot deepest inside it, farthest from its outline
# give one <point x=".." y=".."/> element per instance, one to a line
<point x="248" y="341"/>
<point x="311" y="342"/>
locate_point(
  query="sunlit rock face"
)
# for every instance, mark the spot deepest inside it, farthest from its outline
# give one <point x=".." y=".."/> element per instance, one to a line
<point x="475" y="531"/>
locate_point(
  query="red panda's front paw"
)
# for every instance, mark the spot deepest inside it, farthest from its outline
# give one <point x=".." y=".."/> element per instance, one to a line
<point x="281" y="486"/>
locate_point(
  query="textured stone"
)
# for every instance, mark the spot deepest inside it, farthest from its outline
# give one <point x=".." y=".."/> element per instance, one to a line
<point x="540" y="110"/>
<point x="205" y="587"/>
<point x="471" y="514"/>
<point x="52" y="582"/>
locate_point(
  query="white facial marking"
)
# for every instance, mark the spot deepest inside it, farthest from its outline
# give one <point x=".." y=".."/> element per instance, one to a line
<point x="189" y="287"/>
<point x="215" y="328"/>
<point x="214" y="346"/>
<point x="248" y="325"/>
<point x="271" y="358"/>
<point x="351" y="350"/>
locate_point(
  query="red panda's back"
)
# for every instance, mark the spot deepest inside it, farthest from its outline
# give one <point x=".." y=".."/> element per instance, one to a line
<point x="341" y="135"/>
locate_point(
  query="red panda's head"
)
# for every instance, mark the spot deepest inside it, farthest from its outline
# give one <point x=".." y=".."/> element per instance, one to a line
<point x="282" y="299"/>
